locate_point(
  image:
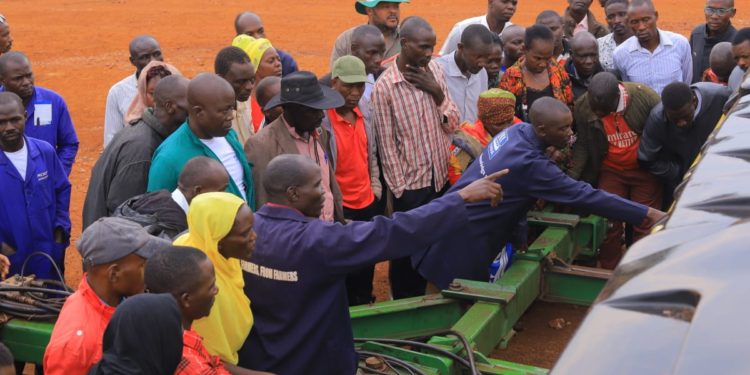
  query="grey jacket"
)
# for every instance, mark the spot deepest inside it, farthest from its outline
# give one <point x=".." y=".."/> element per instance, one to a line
<point x="372" y="154"/>
<point x="122" y="170"/>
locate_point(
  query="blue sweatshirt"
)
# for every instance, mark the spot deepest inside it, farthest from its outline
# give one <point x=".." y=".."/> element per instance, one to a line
<point x="471" y="249"/>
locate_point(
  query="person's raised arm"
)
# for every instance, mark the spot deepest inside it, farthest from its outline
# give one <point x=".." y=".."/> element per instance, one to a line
<point x="344" y="249"/>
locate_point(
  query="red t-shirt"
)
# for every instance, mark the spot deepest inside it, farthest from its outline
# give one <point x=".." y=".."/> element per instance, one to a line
<point x="352" y="165"/>
<point x="76" y="342"/>
<point x="196" y="360"/>
<point x="257" y="116"/>
<point x="622" y="154"/>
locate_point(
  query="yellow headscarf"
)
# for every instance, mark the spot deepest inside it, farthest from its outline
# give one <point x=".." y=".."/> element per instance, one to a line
<point x="254" y="48"/>
<point x="210" y="219"/>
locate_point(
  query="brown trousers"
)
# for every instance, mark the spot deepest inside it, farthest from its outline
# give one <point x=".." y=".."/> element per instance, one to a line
<point x="636" y="185"/>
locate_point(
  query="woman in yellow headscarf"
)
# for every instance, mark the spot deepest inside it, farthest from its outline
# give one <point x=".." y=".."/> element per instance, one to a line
<point x="221" y="225"/>
<point x="266" y="62"/>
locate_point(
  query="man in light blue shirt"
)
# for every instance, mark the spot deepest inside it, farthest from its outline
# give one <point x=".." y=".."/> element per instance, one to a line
<point x="464" y="71"/>
<point x="652" y="56"/>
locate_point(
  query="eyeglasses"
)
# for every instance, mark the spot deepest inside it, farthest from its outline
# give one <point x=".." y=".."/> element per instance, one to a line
<point x="717" y="11"/>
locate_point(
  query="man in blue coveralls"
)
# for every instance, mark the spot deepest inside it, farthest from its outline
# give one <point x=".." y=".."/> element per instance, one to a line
<point x="521" y="149"/>
<point x="47" y="116"/>
<point x="295" y="278"/>
<point x="35" y="195"/>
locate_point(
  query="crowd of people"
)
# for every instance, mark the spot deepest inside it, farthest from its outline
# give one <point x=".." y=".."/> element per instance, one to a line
<point x="252" y="203"/>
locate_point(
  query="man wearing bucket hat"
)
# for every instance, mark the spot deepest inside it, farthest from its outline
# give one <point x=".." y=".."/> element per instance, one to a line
<point x="385" y="15"/>
<point x="355" y="152"/>
<point x="298" y="131"/>
<point x="114" y="251"/>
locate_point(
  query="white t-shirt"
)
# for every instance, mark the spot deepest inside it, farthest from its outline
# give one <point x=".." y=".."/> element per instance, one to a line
<point x="20" y="159"/>
<point x="224" y="151"/>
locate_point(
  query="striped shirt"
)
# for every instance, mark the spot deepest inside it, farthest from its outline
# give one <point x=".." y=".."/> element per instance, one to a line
<point x="671" y="61"/>
<point x="413" y="132"/>
<point x="118" y="101"/>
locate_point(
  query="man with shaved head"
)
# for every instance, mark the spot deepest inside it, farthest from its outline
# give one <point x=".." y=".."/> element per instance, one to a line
<point x="717" y="29"/>
<point x="654" y="57"/>
<point x="512" y="39"/>
<point x="207" y="132"/>
<point x="35" y="199"/>
<point x="295" y="277"/>
<point x="414" y="119"/>
<point x="583" y="63"/>
<point x="266" y="89"/>
<point x="250" y="24"/>
<point x="122" y="169"/>
<point x="721" y="63"/>
<point x="143" y="50"/>
<point x="47" y="116"/>
<point x="521" y="150"/>
<point x="164" y="212"/>
<point x="610" y="118"/>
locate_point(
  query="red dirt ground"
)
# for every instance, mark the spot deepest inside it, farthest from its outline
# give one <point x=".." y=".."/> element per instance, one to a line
<point x="79" y="47"/>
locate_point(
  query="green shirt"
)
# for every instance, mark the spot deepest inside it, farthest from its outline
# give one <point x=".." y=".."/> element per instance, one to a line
<point x="172" y="155"/>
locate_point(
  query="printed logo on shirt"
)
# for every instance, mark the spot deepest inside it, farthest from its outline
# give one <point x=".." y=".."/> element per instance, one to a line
<point x="42" y="114"/>
<point x="497" y="143"/>
<point x="269" y="273"/>
<point x="622" y="140"/>
<point x="42" y="176"/>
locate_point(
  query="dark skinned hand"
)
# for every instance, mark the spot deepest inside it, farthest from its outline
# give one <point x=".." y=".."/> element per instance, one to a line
<point x="653" y="216"/>
<point x="484" y="188"/>
<point x="423" y="79"/>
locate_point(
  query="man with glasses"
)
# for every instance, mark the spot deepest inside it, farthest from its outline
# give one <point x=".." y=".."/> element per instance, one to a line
<point x="718" y="28"/>
<point x="654" y="57"/>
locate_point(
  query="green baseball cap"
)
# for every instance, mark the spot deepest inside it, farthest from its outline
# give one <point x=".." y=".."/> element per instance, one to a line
<point x="361" y="5"/>
<point x="349" y="69"/>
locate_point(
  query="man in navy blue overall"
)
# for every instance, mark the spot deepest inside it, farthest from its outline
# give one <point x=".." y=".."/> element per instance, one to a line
<point x="295" y="278"/>
<point x="470" y="250"/>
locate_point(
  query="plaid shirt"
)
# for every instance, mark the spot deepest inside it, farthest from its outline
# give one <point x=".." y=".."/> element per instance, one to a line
<point x="413" y="132"/>
<point x="195" y="358"/>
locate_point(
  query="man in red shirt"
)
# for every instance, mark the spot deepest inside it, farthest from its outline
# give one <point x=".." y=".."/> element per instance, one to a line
<point x="355" y="160"/>
<point x="114" y="251"/>
<point x="188" y="275"/>
<point x="610" y="119"/>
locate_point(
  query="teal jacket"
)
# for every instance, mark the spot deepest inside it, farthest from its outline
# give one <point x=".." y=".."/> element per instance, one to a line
<point x="182" y="146"/>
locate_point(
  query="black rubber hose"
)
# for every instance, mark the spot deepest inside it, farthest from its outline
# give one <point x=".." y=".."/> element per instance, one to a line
<point x="54" y="265"/>
<point x="467" y="348"/>
<point x="406" y="365"/>
<point x="419" y="344"/>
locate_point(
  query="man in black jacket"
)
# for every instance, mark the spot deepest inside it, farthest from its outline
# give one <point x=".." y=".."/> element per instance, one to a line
<point x="583" y="63"/>
<point x="677" y="128"/>
<point x="122" y="170"/>
<point x="718" y="28"/>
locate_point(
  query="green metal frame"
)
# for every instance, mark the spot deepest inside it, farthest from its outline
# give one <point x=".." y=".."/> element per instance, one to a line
<point x="485" y="313"/>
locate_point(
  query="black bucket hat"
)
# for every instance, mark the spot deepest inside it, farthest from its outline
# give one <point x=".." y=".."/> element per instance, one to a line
<point x="303" y="88"/>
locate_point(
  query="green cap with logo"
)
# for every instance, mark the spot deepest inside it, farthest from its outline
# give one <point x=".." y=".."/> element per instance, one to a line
<point x="361" y="5"/>
<point x="349" y="69"/>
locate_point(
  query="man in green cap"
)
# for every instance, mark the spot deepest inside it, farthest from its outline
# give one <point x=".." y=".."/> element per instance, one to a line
<point x="385" y="15"/>
<point x="355" y="156"/>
